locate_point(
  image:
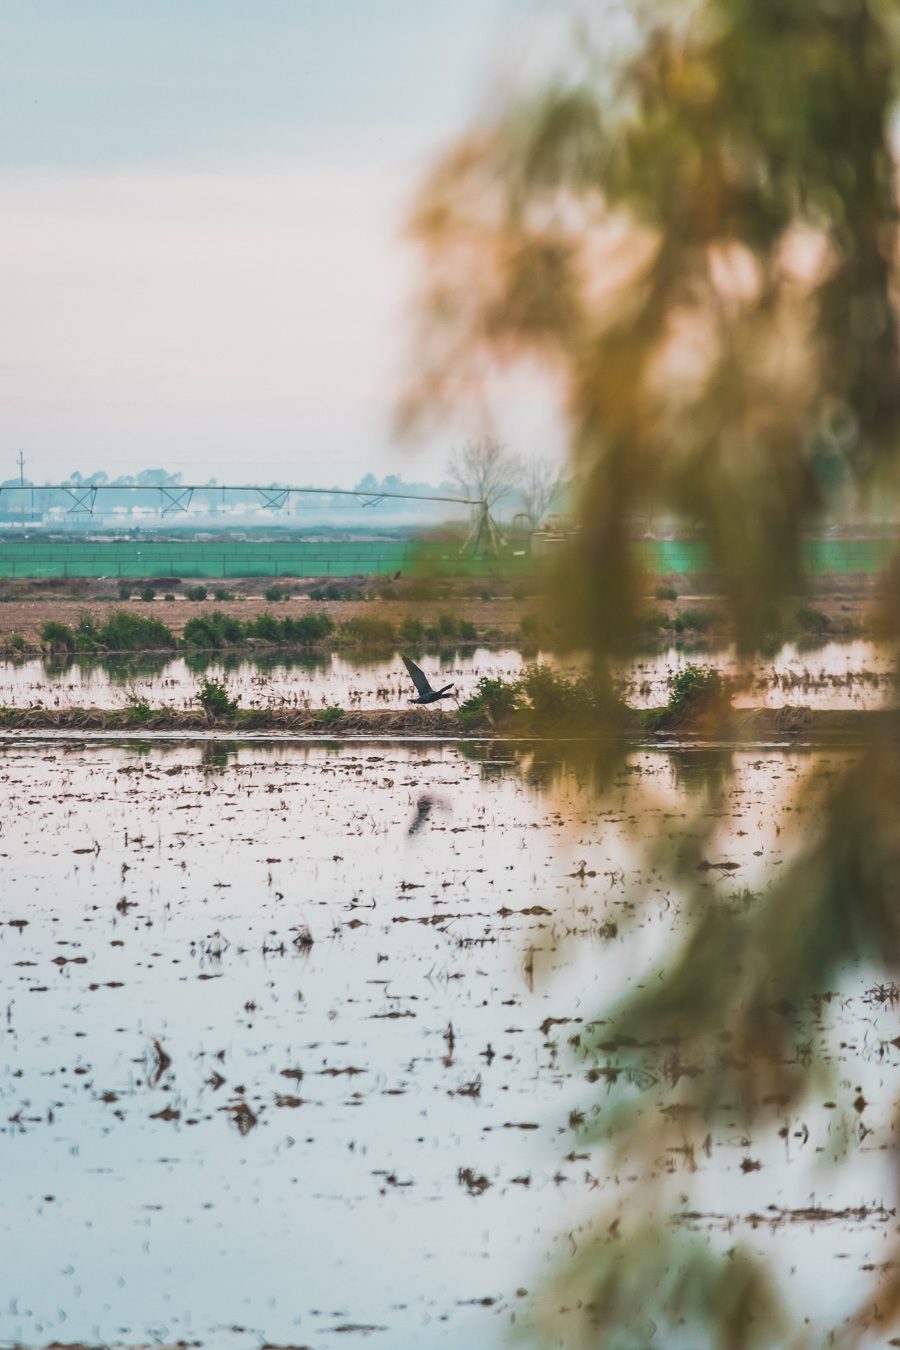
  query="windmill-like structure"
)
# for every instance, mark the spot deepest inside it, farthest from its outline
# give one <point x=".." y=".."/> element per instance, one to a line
<point x="485" y="539"/>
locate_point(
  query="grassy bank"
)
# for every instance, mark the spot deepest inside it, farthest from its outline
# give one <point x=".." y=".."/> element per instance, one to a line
<point x="362" y="625"/>
<point x="124" y="631"/>
<point x="744" y="726"/>
<point x="540" y="703"/>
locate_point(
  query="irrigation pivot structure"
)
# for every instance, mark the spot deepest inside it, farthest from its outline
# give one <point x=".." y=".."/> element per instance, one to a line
<point x="176" y="498"/>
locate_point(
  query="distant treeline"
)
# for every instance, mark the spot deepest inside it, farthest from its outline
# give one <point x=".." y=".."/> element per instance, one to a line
<point x="40" y="500"/>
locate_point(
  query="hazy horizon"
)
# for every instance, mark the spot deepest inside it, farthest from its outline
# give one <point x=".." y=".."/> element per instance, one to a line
<point x="201" y="222"/>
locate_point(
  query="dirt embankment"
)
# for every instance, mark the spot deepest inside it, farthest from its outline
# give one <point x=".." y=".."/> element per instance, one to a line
<point x="375" y="722"/>
<point x="788" y="725"/>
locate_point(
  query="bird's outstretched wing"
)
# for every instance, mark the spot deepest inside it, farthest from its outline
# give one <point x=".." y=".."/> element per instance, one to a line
<point x="418" y="677"/>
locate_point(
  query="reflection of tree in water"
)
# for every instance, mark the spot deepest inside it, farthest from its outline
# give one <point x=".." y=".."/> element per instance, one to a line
<point x="216" y="755"/>
<point x="494" y="756"/>
<point x="57" y="664"/>
<point x="264" y="663"/>
<point x="697" y="239"/>
<point x="589" y="765"/>
<point x="707" y="769"/>
<point x="123" y="670"/>
<point x="119" y="669"/>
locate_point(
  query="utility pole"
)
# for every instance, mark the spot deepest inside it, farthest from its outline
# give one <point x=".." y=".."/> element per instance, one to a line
<point x="22" y="485"/>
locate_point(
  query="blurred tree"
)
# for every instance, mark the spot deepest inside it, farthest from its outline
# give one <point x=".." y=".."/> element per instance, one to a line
<point x="539" y="483"/>
<point x="700" y="242"/>
<point x="697" y="238"/>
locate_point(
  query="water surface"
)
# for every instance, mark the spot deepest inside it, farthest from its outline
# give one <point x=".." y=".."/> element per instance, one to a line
<point x="288" y="1035"/>
<point x="855" y="674"/>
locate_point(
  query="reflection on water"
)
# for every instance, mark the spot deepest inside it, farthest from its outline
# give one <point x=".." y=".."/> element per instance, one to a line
<point x="265" y="1005"/>
<point x="296" y="682"/>
<point x="855" y="674"/>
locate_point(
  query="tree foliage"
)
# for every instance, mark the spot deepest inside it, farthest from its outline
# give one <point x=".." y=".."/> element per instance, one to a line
<point x="697" y="240"/>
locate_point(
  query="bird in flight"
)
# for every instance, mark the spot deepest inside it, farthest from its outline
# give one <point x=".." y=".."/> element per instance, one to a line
<point x="423" y="688"/>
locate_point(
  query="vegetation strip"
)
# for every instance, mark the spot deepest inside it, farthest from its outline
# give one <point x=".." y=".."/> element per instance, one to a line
<point x="124" y="631"/>
<point x="540" y="702"/>
<point x="84" y="623"/>
<point x="742" y="726"/>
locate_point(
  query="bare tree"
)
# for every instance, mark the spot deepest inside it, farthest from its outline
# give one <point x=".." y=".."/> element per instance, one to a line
<point x="485" y="469"/>
<point x="540" y="479"/>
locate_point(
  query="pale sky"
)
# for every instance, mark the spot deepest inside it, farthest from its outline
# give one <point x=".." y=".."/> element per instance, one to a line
<point x="200" y="213"/>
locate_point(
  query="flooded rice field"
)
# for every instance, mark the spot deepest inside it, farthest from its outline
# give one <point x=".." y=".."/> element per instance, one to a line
<point x="848" y="674"/>
<point x="292" y="1037"/>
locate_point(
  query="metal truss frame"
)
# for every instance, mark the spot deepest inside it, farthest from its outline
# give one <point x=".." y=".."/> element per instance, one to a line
<point x="176" y="498"/>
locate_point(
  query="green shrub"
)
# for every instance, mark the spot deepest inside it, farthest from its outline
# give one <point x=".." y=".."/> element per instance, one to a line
<point x="125" y="592"/>
<point x="59" y="636"/>
<point x="494" y="701"/>
<point x="212" y="631"/>
<point x="666" y="593"/>
<point x="446" y="629"/>
<point x="369" y="631"/>
<point x="197" y="633"/>
<point x="652" y="620"/>
<point x="467" y="631"/>
<point x="168" y="596"/>
<point x="307" y="629"/>
<point x="529" y="627"/>
<point x="695" y="689"/>
<point x="411" y="631"/>
<point x="541" y="699"/>
<point x="124" y="631"/>
<point x="697" y="619"/>
<point x="214" y="700"/>
<point x="195" y="593"/>
<point x="228" y="629"/>
<point x="329" y="715"/>
<point x="88" y="637"/>
<point x="274" y="593"/>
<point x="222" y="594"/>
<point x="17" y="642"/>
<point x="549" y="693"/>
<point x="148" y="594"/>
<point x="137" y="708"/>
<point x="265" y="627"/>
<point x="557" y="700"/>
<point x="812" y="620"/>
